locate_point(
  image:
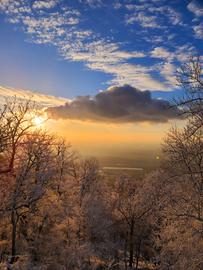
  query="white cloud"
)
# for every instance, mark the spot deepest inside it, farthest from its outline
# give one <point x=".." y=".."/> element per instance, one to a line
<point x="14" y="8"/>
<point x="5" y="4"/>
<point x="57" y="28"/>
<point x="136" y="7"/>
<point x="160" y="52"/>
<point x="153" y="39"/>
<point x="174" y="16"/>
<point x="183" y="52"/>
<point x="195" y="7"/>
<point x="168" y="70"/>
<point x="168" y="13"/>
<point x="93" y="3"/>
<point x="144" y="20"/>
<point x="99" y="51"/>
<point x="44" y="4"/>
<point x="137" y="76"/>
<point x="198" y="29"/>
<point x="117" y="5"/>
<point x="61" y="29"/>
<point x="106" y="57"/>
<point x="150" y="15"/>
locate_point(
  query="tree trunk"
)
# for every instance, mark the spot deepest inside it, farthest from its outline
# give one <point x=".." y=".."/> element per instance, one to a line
<point x="138" y="255"/>
<point x="13" y="236"/>
<point x="125" y="257"/>
<point x="131" y="244"/>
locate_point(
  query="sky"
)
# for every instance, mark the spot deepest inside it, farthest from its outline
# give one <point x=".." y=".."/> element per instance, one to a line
<point x="100" y="57"/>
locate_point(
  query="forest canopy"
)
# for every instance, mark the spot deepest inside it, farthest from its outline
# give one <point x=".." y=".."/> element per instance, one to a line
<point x="58" y="211"/>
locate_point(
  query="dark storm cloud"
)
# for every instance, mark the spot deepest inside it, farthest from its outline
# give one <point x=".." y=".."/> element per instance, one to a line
<point x="116" y="105"/>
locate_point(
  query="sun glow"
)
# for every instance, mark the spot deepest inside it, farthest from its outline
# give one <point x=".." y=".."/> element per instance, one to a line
<point x="38" y="120"/>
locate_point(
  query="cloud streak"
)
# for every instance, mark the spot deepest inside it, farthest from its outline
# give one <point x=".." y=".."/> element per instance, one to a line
<point x="124" y="104"/>
<point x="41" y="99"/>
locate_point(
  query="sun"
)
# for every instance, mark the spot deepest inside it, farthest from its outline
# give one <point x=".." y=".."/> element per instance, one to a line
<point x="38" y="120"/>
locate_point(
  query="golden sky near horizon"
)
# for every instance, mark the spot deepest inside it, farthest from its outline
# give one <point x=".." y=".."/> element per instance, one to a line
<point x="96" y="137"/>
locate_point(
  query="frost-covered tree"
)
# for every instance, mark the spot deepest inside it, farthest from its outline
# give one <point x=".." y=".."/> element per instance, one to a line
<point x="183" y="178"/>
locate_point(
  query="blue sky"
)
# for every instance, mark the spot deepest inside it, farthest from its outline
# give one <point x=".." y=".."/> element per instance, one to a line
<point x="70" y="48"/>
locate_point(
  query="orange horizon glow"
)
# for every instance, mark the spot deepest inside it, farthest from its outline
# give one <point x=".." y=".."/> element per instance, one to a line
<point x="101" y="137"/>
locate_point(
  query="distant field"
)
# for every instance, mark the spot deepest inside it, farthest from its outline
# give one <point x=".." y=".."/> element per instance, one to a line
<point x="122" y="168"/>
<point x="137" y="164"/>
<point x="115" y="172"/>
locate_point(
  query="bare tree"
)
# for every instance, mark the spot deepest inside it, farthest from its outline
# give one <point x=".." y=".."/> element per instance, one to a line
<point x="183" y="177"/>
<point x="32" y="174"/>
<point x="190" y="78"/>
<point x="16" y="120"/>
<point x="183" y="148"/>
<point x="133" y="206"/>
